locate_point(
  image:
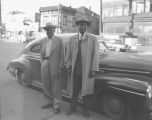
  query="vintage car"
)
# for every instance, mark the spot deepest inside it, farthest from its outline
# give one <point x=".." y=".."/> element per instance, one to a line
<point x="123" y="85"/>
<point x="117" y="45"/>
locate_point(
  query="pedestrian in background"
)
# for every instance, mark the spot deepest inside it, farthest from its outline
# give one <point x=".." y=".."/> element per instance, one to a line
<point x="82" y="59"/>
<point x="52" y="63"/>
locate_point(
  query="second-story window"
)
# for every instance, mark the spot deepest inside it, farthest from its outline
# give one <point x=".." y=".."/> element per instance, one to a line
<point x="45" y="19"/>
<point x="54" y="20"/>
<point x="64" y="20"/>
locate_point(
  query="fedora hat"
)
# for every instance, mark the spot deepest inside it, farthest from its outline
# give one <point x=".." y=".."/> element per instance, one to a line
<point x="49" y="25"/>
<point x="83" y="20"/>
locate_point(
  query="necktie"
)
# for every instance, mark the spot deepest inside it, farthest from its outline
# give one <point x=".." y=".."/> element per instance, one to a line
<point x="81" y="37"/>
<point x="78" y="64"/>
<point x="80" y="40"/>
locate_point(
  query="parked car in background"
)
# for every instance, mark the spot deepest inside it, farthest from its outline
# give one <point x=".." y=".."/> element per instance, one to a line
<point x="34" y="35"/>
<point x="21" y="37"/>
<point x="123" y="85"/>
<point x="117" y="45"/>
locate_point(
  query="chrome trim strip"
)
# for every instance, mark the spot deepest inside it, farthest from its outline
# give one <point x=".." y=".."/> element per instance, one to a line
<point x="143" y="82"/>
<point x="125" y="70"/>
<point x="127" y="91"/>
<point x="34" y="58"/>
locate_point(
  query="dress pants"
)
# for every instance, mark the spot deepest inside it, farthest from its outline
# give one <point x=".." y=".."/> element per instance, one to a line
<point x="51" y="86"/>
<point x="77" y="85"/>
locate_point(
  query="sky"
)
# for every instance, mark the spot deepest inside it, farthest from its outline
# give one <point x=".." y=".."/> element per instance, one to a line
<point x="32" y="6"/>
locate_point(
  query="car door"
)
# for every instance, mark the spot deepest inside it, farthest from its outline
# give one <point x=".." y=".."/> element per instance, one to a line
<point x="34" y="59"/>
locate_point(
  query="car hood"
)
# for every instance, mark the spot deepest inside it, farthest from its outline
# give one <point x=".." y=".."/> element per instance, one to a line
<point x="131" y="56"/>
<point x="126" y="61"/>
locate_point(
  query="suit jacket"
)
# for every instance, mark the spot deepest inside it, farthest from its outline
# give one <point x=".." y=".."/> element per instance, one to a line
<point x="56" y="58"/>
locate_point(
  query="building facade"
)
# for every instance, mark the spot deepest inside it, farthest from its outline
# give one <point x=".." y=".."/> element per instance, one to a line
<point x="18" y="22"/>
<point x="129" y="16"/>
<point x="64" y="18"/>
<point x="61" y="16"/>
<point x="92" y="16"/>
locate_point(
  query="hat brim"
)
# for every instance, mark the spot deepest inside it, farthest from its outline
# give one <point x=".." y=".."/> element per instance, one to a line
<point x="78" y="22"/>
<point x="49" y="27"/>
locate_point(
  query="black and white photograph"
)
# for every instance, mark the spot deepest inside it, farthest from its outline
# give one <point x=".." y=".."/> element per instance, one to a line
<point x="75" y="59"/>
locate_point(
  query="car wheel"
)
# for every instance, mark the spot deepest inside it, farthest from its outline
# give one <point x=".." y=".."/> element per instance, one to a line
<point x="114" y="107"/>
<point x="23" y="78"/>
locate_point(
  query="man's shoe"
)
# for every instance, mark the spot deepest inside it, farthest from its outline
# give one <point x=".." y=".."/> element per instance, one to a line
<point x="47" y="106"/>
<point x="70" y="111"/>
<point x="56" y="110"/>
<point x="86" y="114"/>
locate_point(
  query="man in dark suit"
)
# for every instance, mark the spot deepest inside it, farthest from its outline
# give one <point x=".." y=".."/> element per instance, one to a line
<point x="52" y="63"/>
<point x="82" y="59"/>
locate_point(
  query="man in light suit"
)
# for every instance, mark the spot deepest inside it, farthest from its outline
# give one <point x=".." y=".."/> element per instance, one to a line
<point x="82" y="59"/>
<point x="52" y="63"/>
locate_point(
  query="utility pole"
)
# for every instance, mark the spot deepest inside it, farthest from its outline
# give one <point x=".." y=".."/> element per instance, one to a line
<point x="100" y="21"/>
<point x="0" y="20"/>
<point x="150" y="6"/>
<point x="130" y="7"/>
<point x="58" y="23"/>
<point x="144" y="6"/>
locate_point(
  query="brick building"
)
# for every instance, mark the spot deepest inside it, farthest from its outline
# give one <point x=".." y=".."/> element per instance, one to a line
<point x="64" y="18"/>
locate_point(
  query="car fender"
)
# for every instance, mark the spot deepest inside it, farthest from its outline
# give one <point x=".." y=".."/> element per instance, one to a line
<point x="124" y="87"/>
<point x="22" y="64"/>
<point x="129" y="84"/>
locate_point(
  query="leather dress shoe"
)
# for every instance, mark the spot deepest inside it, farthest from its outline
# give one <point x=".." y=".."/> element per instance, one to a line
<point x="47" y="106"/>
<point x="56" y="110"/>
<point x="86" y="114"/>
<point x="70" y="111"/>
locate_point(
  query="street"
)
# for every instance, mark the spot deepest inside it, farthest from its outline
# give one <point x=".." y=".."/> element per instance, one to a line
<point x="20" y="103"/>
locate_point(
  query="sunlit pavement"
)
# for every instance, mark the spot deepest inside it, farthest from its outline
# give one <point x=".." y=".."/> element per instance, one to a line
<point x="20" y="103"/>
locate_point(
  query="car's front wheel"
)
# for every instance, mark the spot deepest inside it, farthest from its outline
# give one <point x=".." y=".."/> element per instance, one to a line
<point x="23" y="78"/>
<point x="114" y="107"/>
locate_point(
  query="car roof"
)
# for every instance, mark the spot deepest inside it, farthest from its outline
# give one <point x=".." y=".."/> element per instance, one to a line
<point x="65" y="37"/>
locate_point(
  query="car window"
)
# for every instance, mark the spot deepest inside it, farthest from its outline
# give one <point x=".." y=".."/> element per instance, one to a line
<point x="35" y="48"/>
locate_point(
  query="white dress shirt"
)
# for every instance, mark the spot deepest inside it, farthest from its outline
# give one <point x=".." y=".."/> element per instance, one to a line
<point x="48" y="47"/>
<point x="81" y="37"/>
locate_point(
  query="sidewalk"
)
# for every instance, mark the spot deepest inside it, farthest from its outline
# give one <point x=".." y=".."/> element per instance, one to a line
<point x="21" y="103"/>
